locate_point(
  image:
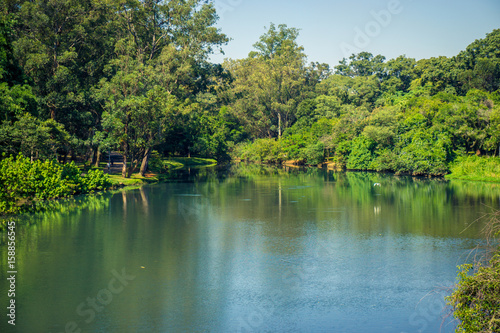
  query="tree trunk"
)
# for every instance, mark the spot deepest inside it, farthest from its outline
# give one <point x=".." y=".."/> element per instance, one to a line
<point x="93" y="155"/>
<point x="98" y="157"/>
<point x="131" y="169"/>
<point x="279" y="125"/>
<point x="124" y="168"/>
<point x="145" y="162"/>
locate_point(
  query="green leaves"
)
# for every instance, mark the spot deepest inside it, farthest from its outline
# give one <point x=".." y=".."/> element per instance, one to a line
<point x="25" y="183"/>
<point x="476" y="298"/>
<point x="270" y="83"/>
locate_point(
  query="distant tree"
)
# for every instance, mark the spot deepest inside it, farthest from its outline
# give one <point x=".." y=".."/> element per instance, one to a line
<point x="362" y="64"/>
<point x="271" y="82"/>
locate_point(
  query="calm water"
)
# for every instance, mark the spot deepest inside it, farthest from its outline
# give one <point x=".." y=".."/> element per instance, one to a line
<point x="249" y="250"/>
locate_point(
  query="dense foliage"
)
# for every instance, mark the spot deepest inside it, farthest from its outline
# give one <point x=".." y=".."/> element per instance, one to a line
<point x="24" y="183"/>
<point x="476" y="299"/>
<point x="80" y="78"/>
<point x="399" y="115"/>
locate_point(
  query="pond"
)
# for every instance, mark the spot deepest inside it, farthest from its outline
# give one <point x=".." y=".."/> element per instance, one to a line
<point x="250" y="249"/>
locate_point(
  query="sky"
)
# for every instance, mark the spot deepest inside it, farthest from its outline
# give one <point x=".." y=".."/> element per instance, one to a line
<point x="332" y="30"/>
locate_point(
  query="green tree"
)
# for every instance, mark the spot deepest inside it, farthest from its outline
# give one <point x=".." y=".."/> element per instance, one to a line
<point x="270" y="83"/>
<point x="160" y="54"/>
<point x="362" y="64"/>
<point x="63" y="46"/>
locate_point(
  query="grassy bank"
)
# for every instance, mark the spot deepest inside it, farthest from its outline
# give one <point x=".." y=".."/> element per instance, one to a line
<point x="477" y="168"/>
<point x="158" y="170"/>
<point x="28" y="186"/>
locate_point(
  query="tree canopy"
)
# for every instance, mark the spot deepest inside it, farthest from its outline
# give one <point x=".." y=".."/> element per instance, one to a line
<point x="78" y="79"/>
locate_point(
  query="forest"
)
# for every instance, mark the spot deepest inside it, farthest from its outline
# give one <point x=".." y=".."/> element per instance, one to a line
<point x="81" y="78"/>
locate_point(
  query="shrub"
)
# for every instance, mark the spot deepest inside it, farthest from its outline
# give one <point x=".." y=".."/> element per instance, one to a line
<point x="314" y="153"/>
<point x="24" y="182"/>
<point x="426" y="154"/>
<point x="95" y="180"/>
<point x="476" y="299"/>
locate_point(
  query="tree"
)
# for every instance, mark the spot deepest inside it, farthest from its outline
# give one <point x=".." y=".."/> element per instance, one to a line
<point x="358" y="90"/>
<point x="362" y="64"/>
<point x="160" y="55"/>
<point x="270" y="83"/>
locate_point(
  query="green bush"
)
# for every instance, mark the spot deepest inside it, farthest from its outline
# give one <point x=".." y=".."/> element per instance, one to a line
<point x="314" y="153"/>
<point x="426" y="154"/>
<point x="25" y="182"/>
<point x="261" y="151"/>
<point x="94" y="180"/>
<point x="385" y="160"/>
<point x="476" y="299"/>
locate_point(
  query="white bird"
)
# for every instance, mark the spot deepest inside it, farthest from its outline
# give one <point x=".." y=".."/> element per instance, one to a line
<point x="376" y="184"/>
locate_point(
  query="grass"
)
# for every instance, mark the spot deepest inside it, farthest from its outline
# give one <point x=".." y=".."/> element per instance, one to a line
<point x="135" y="179"/>
<point x="476" y="168"/>
<point x="190" y="161"/>
<point x="171" y="163"/>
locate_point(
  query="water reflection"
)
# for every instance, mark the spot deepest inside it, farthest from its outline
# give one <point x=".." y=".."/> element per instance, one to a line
<point x="253" y="248"/>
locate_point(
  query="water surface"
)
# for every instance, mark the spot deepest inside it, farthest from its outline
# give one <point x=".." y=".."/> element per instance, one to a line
<point x="251" y="249"/>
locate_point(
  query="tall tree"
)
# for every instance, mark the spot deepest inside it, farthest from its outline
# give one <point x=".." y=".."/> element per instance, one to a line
<point x="63" y="47"/>
<point x="161" y="50"/>
<point x="270" y="83"/>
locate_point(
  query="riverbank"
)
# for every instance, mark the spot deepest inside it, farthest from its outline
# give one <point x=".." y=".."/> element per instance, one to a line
<point x="112" y="179"/>
<point x="158" y="170"/>
<point x="476" y="168"/>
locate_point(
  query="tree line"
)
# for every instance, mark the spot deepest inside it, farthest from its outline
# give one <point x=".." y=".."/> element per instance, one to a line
<point x="78" y="78"/>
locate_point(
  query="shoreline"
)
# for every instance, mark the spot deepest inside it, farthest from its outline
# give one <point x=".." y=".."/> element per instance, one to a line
<point x="119" y="184"/>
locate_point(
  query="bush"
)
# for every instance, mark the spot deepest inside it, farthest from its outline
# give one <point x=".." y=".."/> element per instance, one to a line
<point x="261" y="151"/>
<point x="24" y="182"/>
<point x="427" y="154"/>
<point x="314" y="153"/>
<point x="476" y="299"/>
<point x="385" y="161"/>
<point x="94" y="180"/>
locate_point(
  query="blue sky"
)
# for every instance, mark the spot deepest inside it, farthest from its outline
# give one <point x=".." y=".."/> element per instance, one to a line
<point x="330" y="30"/>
